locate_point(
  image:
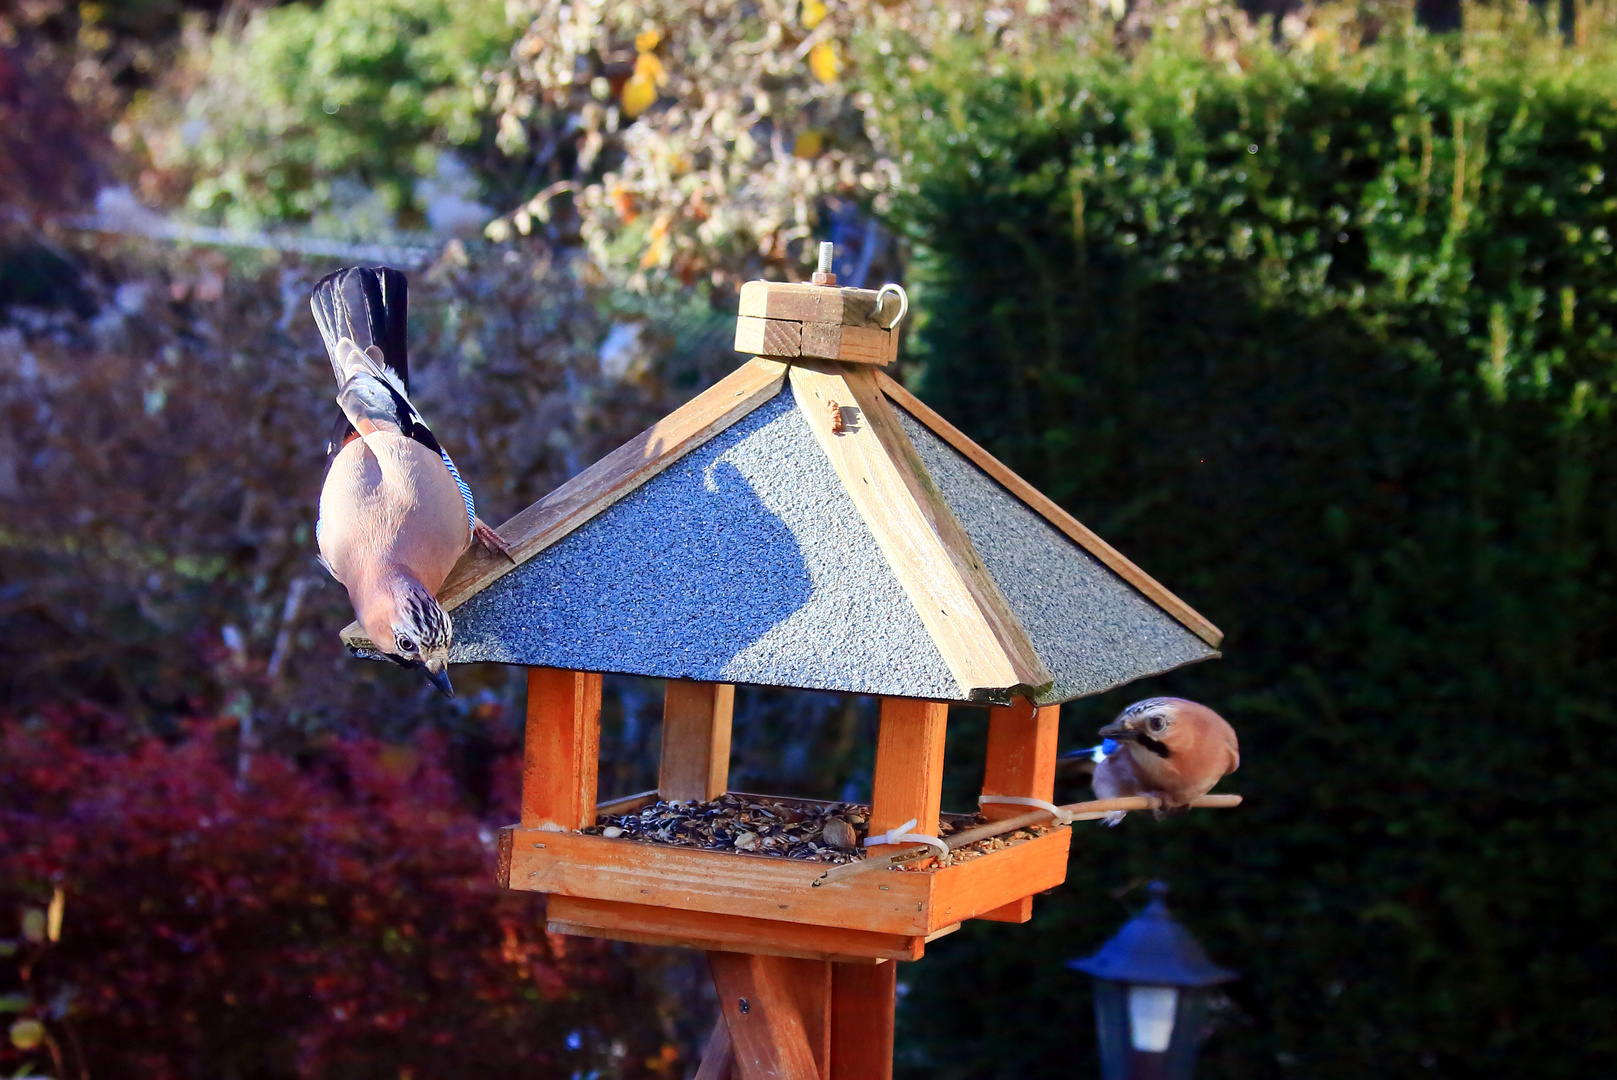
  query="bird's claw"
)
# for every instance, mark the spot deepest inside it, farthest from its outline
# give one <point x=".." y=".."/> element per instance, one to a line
<point x="485" y="535"/>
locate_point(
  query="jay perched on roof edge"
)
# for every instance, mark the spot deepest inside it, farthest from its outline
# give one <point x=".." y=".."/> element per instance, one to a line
<point x="1167" y="747"/>
<point x="395" y="516"/>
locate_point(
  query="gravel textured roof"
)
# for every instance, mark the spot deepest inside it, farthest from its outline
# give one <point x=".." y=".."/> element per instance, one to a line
<point x="1092" y="629"/>
<point x="747" y="562"/>
<point x="743" y="562"/>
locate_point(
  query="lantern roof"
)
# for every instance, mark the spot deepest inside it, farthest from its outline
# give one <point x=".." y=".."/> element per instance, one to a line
<point x="815" y="525"/>
<point x="1153" y="949"/>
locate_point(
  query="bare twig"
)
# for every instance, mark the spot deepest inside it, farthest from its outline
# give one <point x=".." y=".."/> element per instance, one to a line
<point x="289" y="618"/>
<point x="1080" y="811"/>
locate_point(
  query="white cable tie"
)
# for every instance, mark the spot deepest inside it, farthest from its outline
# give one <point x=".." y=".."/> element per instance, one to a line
<point x="1062" y="817"/>
<point x="902" y="835"/>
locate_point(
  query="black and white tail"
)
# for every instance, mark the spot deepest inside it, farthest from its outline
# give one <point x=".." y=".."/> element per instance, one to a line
<point x="363" y="314"/>
<point x="368" y="306"/>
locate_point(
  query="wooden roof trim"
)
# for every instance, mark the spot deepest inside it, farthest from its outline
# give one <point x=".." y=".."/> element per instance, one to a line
<point x="1047" y="508"/>
<point x="968" y="564"/>
<point x="617" y="474"/>
<point x="988" y="657"/>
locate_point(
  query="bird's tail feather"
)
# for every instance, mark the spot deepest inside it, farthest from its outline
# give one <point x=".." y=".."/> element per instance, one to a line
<point x="370" y="307"/>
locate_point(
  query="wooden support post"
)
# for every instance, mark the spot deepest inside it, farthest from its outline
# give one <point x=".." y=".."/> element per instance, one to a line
<point x="777" y="1010"/>
<point x="562" y="750"/>
<point x="909" y="768"/>
<point x="863" y="997"/>
<point x="1021" y="756"/>
<point x="695" y="761"/>
<point x="1021" y="761"/>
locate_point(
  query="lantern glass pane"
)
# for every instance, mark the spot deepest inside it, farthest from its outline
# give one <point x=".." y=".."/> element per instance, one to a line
<point x="1151" y="1014"/>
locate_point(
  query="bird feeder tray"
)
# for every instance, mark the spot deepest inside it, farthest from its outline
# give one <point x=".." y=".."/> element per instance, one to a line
<point x="788" y="321"/>
<point x="662" y="894"/>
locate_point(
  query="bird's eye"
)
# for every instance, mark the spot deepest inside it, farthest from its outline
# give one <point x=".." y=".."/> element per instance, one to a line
<point x="406" y="645"/>
<point x="1158" y="723"/>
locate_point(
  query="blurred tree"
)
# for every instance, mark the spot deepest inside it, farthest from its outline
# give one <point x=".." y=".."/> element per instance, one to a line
<point x="300" y="113"/>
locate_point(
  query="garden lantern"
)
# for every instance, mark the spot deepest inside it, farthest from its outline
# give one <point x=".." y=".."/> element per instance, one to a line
<point x="1151" y="989"/>
<point x="805" y="523"/>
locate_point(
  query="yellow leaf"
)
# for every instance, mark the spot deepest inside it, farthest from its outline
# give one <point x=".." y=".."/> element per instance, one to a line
<point x="824" y="62"/>
<point x="649" y="67"/>
<point x="27" y="1034"/>
<point x="654" y="253"/>
<point x="647" y="40"/>
<point x="658" y="248"/>
<point x="809" y="144"/>
<point x="53" y="916"/>
<point x="639" y="94"/>
<point x="813" y="12"/>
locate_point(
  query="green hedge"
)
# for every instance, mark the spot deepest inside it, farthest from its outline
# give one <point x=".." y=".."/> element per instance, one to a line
<point x="1322" y="338"/>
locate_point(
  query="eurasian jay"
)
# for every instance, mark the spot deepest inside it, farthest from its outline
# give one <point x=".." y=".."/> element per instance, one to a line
<point x="395" y="515"/>
<point x="1167" y="747"/>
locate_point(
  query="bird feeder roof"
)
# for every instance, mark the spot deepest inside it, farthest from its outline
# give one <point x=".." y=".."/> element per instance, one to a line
<point x="816" y="526"/>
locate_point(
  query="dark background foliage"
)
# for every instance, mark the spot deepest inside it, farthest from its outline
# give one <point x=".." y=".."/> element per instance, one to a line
<point x="1173" y="299"/>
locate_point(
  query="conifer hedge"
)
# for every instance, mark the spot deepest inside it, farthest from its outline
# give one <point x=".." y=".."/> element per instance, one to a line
<point x="1321" y="336"/>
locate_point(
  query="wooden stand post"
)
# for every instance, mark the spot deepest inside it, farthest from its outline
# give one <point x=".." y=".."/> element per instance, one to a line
<point x="909" y="768"/>
<point x="1022" y="762"/>
<point x="863" y="997"/>
<point x="784" y="1019"/>
<point x="778" y="1011"/>
<point x="695" y="763"/>
<point x="562" y="749"/>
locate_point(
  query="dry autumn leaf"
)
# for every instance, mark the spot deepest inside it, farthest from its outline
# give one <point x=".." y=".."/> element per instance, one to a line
<point x="824" y="62"/>
<point x="809" y="144"/>
<point x="639" y="94"/>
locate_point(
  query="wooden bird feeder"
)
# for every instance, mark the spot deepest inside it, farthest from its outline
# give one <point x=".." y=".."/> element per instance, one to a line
<point x="808" y="523"/>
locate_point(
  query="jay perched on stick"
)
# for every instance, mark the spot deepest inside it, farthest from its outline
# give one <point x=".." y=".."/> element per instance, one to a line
<point x="1167" y="747"/>
<point x="395" y="516"/>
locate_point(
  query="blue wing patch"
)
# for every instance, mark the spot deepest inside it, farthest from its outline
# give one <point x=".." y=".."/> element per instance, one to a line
<point x="465" y="492"/>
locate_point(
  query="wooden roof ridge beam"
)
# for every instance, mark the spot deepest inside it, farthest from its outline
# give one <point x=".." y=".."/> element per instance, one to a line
<point x="968" y="564"/>
<point x="1047" y="508"/>
<point x="985" y="649"/>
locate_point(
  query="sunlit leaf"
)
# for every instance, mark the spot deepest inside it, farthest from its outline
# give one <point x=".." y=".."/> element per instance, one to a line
<point x="809" y="144"/>
<point x="33" y="924"/>
<point x="813" y="12"/>
<point x="53" y="916"/>
<point x="639" y="94"/>
<point x="824" y="62"/>
<point x="647" y="66"/>
<point x="27" y="1034"/>
<point x="647" y="40"/>
<point x="13" y="1003"/>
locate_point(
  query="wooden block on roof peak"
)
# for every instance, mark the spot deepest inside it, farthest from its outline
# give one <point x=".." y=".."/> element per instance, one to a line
<point x="769" y="337"/>
<point x="787" y="300"/>
<point x="805" y="303"/>
<point x="864" y="345"/>
<point x="822" y="341"/>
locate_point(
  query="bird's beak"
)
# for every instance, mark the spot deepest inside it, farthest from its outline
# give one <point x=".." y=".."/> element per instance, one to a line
<point x="438" y="675"/>
<point x="1120" y="731"/>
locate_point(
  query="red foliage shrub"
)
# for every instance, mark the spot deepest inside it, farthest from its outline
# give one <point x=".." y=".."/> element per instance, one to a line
<point x="337" y="918"/>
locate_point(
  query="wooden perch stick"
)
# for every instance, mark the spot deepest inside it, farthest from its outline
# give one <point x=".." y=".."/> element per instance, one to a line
<point x="1080" y="811"/>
